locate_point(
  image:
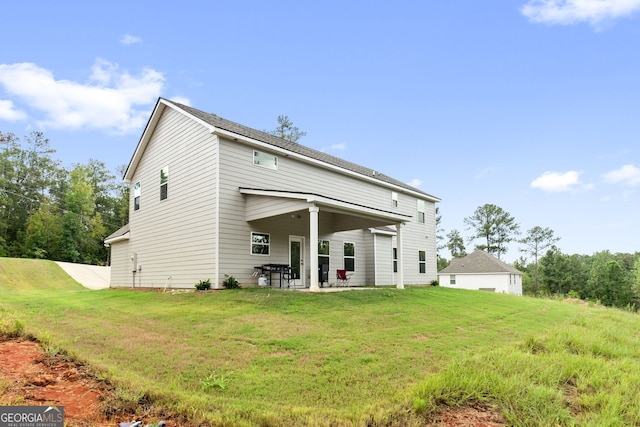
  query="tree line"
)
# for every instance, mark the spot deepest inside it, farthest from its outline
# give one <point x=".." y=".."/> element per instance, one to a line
<point x="606" y="278"/>
<point x="52" y="212"/>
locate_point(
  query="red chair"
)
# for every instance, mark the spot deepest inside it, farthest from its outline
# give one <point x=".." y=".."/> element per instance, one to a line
<point x="342" y="278"/>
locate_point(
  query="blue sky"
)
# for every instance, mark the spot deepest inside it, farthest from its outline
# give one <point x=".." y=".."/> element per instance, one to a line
<point x="532" y="105"/>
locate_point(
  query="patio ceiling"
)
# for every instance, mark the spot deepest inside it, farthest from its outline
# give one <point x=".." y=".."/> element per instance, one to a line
<point x="337" y="215"/>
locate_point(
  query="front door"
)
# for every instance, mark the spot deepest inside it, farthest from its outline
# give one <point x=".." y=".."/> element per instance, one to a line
<point x="296" y="261"/>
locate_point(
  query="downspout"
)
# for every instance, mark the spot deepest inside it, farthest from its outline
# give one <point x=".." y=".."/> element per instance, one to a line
<point x="400" y="284"/>
<point x="375" y="259"/>
<point x="216" y="226"/>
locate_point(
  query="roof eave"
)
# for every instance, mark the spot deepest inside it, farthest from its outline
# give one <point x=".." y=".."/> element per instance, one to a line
<point x="161" y="104"/>
<point x="116" y="239"/>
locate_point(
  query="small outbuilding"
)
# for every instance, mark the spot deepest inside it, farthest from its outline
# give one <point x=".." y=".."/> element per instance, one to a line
<point x="481" y="271"/>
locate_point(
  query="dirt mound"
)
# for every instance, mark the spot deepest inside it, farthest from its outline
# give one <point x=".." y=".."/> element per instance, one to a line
<point x="27" y="378"/>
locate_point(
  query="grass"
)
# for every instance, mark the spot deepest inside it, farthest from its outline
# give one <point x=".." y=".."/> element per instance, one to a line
<point x="372" y="357"/>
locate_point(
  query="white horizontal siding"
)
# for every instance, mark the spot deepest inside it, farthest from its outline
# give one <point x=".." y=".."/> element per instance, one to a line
<point x="176" y="241"/>
<point x="237" y="170"/>
<point x="120" y="264"/>
<point x="498" y="281"/>
<point x="175" y="238"/>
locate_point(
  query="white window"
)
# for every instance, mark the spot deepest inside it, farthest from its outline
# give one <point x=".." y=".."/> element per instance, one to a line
<point x="136" y="196"/>
<point x="394" y="199"/>
<point x="395" y="260"/>
<point x="323" y="252"/>
<point x="421" y="211"/>
<point x="349" y="256"/>
<point x="323" y="259"/>
<point x="260" y="243"/>
<point x="265" y="160"/>
<point x="452" y="279"/>
<point x="164" y="182"/>
<point x="422" y="262"/>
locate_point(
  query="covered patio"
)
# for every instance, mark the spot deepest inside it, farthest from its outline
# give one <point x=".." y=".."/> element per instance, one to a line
<point x="324" y="215"/>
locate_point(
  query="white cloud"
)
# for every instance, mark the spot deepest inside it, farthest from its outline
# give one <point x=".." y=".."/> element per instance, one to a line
<point x="109" y="100"/>
<point x="8" y="112"/>
<point x="566" y="12"/>
<point x="181" y="100"/>
<point x="627" y="175"/>
<point x="555" y="181"/>
<point x="129" y="39"/>
<point x="335" y="147"/>
<point x="415" y="182"/>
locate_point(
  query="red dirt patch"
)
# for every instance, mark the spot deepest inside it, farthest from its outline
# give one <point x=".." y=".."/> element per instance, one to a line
<point x="469" y="417"/>
<point x="29" y="378"/>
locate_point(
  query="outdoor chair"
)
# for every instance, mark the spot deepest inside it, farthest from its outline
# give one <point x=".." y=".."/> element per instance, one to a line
<point x="342" y="278"/>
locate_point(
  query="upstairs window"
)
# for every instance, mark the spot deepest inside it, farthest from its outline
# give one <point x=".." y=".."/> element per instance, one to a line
<point x="260" y="243"/>
<point x="422" y="261"/>
<point x="421" y="211"/>
<point x="394" y="199"/>
<point x="349" y="256"/>
<point x="136" y="196"/>
<point x="164" y="182"/>
<point x="265" y="160"/>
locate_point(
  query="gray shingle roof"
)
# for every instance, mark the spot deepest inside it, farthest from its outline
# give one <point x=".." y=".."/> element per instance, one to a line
<point x="478" y="262"/>
<point x="267" y="138"/>
<point x="119" y="232"/>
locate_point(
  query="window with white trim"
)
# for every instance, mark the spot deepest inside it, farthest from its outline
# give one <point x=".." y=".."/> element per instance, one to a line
<point x="260" y="243"/>
<point x="349" y="256"/>
<point x="421" y="209"/>
<point x="395" y="260"/>
<point x="394" y="199"/>
<point x="164" y="182"/>
<point x="136" y="196"/>
<point x="265" y="160"/>
<point x="452" y="279"/>
<point x="323" y="255"/>
<point x="422" y="261"/>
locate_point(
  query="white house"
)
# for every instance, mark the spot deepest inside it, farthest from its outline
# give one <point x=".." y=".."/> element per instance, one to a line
<point x="210" y="198"/>
<point x="481" y="271"/>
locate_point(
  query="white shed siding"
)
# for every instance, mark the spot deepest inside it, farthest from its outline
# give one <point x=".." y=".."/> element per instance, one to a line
<point x="497" y="281"/>
<point x="237" y="170"/>
<point x="515" y="285"/>
<point x="174" y="239"/>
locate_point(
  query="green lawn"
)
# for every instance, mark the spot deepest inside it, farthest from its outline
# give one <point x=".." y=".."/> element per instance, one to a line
<point x="372" y="357"/>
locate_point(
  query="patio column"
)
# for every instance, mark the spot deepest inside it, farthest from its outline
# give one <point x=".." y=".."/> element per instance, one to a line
<point x="400" y="277"/>
<point x="313" y="246"/>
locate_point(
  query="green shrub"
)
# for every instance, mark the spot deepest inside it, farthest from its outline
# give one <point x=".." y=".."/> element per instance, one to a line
<point x="230" y="282"/>
<point x="573" y="294"/>
<point x="203" y="285"/>
<point x="435" y="283"/>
